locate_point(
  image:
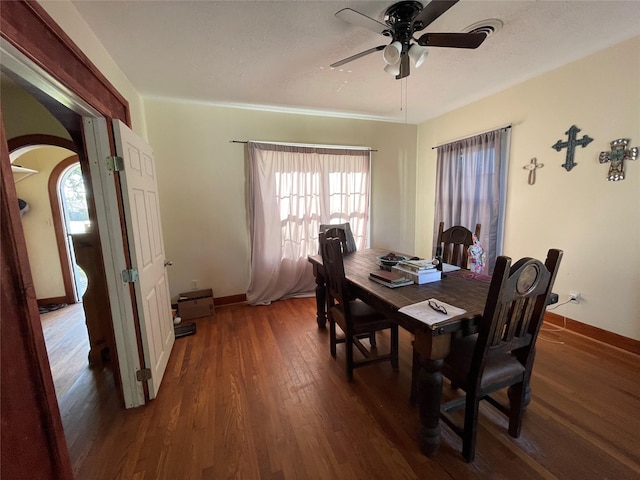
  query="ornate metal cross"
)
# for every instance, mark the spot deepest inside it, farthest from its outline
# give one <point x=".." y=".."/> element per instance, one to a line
<point x="570" y="144"/>
<point x="532" y="166"/>
<point x="616" y="156"/>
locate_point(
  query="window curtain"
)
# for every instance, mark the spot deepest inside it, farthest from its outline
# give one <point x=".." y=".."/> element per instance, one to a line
<point x="471" y="188"/>
<point x="293" y="189"/>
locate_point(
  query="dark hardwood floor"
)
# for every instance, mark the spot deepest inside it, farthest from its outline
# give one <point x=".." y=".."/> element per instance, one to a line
<point x="255" y="394"/>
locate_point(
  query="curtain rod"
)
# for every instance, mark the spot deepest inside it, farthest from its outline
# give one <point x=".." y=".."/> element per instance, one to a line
<point x="310" y="145"/>
<point x="504" y="127"/>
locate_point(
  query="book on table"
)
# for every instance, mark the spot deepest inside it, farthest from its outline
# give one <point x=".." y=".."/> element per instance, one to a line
<point x="390" y="279"/>
<point x="419" y="277"/>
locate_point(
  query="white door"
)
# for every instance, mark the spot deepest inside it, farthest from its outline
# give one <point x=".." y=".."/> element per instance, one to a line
<point x="146" y="247"/>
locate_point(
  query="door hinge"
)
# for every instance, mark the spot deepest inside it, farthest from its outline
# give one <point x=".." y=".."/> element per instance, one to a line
<point x="130" y="275"/>
<point x="143" y="375"/>
<point x="115" y="164"/>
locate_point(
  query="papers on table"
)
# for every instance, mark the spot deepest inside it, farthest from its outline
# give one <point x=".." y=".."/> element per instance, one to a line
<point x="427" y="315"/>
<point x="447" y="267"/>
<point x="417" y="265"/>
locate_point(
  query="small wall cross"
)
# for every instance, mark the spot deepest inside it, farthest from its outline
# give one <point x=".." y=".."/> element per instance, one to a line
<point x="570" y="144"/>
<point x="532" y="166"/>
<point x="616" y="156"/>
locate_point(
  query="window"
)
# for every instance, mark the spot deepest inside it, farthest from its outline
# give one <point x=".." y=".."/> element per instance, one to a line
<point x="74" y="202"/>
<point x="471" y="188"/>
<point x="293" y="190"/>
<point x="75" y="219"/>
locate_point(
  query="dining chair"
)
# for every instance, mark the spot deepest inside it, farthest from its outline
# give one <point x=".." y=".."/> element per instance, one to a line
<point x="343" y="231"/>
<point x="455" y="242"/>
<point x="501" y="354"/>
<point x="357" y="320"/>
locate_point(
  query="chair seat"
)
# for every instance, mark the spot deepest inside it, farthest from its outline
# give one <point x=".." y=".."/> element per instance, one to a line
<point x="363" y="316"/>
<point x="498" y="369"/>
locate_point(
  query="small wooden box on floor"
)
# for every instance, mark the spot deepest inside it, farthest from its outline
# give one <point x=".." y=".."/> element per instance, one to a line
<point x="196" y="304"/>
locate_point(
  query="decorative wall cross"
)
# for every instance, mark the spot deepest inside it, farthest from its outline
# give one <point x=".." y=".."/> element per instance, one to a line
<point x="616" y="156"/>
<point x="532" y="166"/>
<point x="570" y="144"/>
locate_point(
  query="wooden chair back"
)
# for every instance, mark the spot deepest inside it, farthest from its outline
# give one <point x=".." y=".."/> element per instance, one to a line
<point x="335" y="279"/>
<point x="339" y="233"/>
<point x="455" y="242"/>
<point x="516" y="302"/>
<point x="342" y="231"/>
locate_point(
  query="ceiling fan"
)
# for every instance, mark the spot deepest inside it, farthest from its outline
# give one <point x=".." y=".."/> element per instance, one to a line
<point x="402" y="21"/>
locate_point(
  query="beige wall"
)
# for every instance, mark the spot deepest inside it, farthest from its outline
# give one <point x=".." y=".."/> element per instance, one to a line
<point x="38" y="227"/>
<point x="594" y="221"/>
<point x="202" y="183"/>
<point x="24" y="115"/>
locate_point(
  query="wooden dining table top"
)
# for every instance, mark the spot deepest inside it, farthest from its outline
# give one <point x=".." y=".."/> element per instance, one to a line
<point x="460" y="288"/>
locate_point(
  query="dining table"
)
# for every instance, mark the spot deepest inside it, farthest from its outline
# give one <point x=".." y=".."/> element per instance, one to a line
<point x="432" y="342"/>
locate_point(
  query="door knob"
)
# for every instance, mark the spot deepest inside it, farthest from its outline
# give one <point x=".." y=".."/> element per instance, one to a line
<point x="167" y="263"/>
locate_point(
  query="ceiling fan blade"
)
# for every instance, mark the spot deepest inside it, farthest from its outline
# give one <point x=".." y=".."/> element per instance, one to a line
<point x="361" y="20"/>
<point x="357" y="55"/>
<point x="404" y="67"/>
<point x="431" y="12"/>
<point x="452" y="40"/>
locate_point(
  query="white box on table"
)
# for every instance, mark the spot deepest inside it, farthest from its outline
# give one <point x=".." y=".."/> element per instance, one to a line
<point x="420" y="277"/>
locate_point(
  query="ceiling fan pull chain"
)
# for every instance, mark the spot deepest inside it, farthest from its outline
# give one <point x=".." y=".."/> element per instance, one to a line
<point x="406" y="97"/>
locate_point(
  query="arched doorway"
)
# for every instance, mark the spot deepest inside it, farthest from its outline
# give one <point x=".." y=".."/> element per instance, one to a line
<point x="22" y="146"/>
<point x="67" y="195"/>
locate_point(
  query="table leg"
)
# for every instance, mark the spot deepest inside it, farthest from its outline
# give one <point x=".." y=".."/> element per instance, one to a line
<point x="431" y="349"/>
<point x="321" y="299"/>
<point x="429" y="396"/>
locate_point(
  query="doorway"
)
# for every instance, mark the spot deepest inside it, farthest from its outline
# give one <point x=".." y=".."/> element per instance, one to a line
<point x="56" y="194"/>
<point x="37" y="47"/>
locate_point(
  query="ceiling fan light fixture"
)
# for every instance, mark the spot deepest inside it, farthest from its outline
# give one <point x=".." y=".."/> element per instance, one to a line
<point x="391" y="53"/>
<point x="418" y="54"/>
<point x="393" y="69"/>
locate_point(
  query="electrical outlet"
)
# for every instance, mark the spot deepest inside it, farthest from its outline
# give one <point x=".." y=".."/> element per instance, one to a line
<point x="194" y="284"/>
<point x="574" y="296"/>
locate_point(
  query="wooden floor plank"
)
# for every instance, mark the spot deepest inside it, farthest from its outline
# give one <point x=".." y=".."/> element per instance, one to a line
<point x="255" y="394"/>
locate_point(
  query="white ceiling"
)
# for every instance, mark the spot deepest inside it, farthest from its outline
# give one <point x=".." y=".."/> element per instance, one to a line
<point x="276" y="55"/>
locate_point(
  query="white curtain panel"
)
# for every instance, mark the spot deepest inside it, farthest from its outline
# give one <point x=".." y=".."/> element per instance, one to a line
<point x="471" y="187"/>
<point x="293" y="189"/>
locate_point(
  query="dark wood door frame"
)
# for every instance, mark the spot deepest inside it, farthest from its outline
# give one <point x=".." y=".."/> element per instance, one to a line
<point x="32" y="437"/>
